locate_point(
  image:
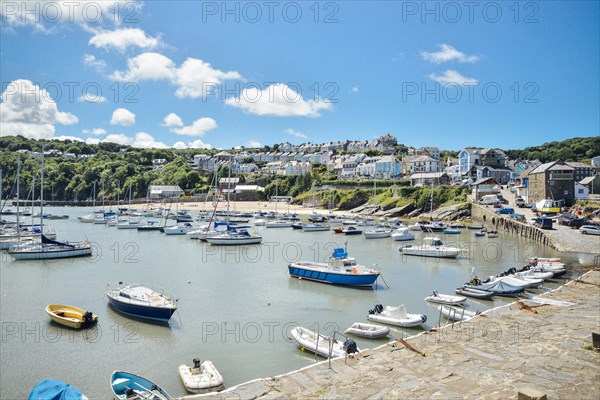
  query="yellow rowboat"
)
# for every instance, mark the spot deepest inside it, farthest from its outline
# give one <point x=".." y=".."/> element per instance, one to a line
<point x="73" y="317"/>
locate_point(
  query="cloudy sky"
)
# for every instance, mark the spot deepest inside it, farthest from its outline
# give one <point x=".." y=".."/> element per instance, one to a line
<point x="214" y="74"/>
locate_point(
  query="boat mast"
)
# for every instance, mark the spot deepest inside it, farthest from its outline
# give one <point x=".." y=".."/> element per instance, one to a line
<point x="32" y="201"/>
<point x="18" y="196"/>
<point x="42" y="198"/>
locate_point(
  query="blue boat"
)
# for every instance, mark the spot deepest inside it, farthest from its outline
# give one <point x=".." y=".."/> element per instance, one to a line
<point x="451" y="232"/>
<point x="51" y="389"/>
<point x="479" y="234"/>
<point x="339" y="270"/>
<point x="142" y="302"/>
<point x="126" y="385"/>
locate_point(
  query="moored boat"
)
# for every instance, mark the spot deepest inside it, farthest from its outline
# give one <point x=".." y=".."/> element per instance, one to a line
<point x="315" y="227"/>
<point x="128" y="386"/>
<point x="234" y="237"/>
<point x="431" y="247"/>
<point x="71" y="316"/>
<point x="440" y="298"/>
<point x="456" y="313"/>
<point x="53" y="389"/>
<point x="370" y="331"/>
<point x="201" y="377"/>
<point x="322" y="345"/>
<point x="142" y="302"/>
<point x="351" y="230"/>
<point x="402" y="234"/>
<point x="377" y="233"/>
<point x="474" y="293"/>
<point x="396" y="316"/>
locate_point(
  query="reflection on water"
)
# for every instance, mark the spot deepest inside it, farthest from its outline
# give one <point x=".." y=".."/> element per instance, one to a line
<point x="236" y="305"/>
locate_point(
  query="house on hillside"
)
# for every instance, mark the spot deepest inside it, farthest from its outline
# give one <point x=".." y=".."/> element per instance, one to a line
<point x="485" y="186"/>
<point x="554" y="180"/>
<point x="164" y="191"/>
<point x="429" y="178"/>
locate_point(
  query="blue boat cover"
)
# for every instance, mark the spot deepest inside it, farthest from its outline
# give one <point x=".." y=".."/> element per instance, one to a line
<point x="51" y="389"/>
<point x="339" y="253"/>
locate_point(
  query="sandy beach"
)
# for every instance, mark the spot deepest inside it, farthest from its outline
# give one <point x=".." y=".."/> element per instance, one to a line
<point x="252" y="206"/>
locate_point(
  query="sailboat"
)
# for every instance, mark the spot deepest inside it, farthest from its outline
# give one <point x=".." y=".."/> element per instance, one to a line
<point x="129" y="224"/>
<point x="48" y="248"/>
<point x="90" y="218"/>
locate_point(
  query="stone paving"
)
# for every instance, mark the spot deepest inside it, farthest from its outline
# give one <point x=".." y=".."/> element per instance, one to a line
<point x="544" y="349"/>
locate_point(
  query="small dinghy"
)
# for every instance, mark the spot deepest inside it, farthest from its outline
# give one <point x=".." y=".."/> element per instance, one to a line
<point x="73" y="317"/>
<point x="474" y="293"/>
<point x="456" y="313"/>
<point x="479" y="234"/>
<point x="370" y="331"/>
<point x="451" y="232"/>
<point x="396" y="316"/>
<point x="128" y="386"/>
<point x="53" y="389"/>
<point x="201" y="377"/>
<point x="323" y="345"/>
<point x="436" y="297"/>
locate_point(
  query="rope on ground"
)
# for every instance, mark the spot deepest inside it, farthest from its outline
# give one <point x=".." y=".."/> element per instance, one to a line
<point x="524" y="306"/>
<point x="410" y="347"/>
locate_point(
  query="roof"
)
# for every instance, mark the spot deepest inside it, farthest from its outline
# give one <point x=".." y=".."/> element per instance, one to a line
<point x="427" y="175"/>
<point x="587" y="181"/>
<point x="579" y="165"/>
<point x="485" y="181"/>
<point x="244" y="188"/>
<point x="229" y="180"/>
<point x="423" y="159"/>
<point x="554" y="165"/>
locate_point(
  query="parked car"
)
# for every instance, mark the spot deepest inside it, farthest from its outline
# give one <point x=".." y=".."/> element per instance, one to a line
<point x="543" y="223"/>
<point x="590" y="230"/>
<point x="507" y="210"/>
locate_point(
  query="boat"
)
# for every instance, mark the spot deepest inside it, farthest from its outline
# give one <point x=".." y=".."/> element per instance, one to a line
<point x="377" y="233"/>
<point x="475" y="227"/>
<point x="548" y="206"/>
<point x="128" y="224"/>
<point x="435" y="226"/>
<point x="200" y="378"/>
<point x="52" y="389"/>
<point x="148" y="226"/>
<point x="279" y="223"/>
<point x="499" y="288"/>
<point x="339" y="270"/>
<point x="474" y="293"/>
<point x="492" y="234"/>
<point x="431" y="247"/>
<point x="456" y="313"/>
<point x="479" y="234"/>
<point x="338" y="230"/>
<point x="396" y="316"/>
<point x="180" y="229"/>
<point x="402" y="234"/>
<point x="297" y="225"/>
<point x="456" y="225"/>
<point x="436" y="297"/>
<point x="451" y="232"/>
<point x="315" y="227"/>
<point x="128" y="386"/>
<point x="323" y="345"/>
<point x="234" y="237"/>
<point x="370" y="331"/>
<point x="415" y="227"/>
<point x="49" y="249"/>
<point x="259" y="222"/>
<point x="142" y="302"/>
<point x="70" y="316"/>
<point x="351" y="230"/>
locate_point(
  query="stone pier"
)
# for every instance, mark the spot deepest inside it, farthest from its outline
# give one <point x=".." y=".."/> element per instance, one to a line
<point x="522" y="350"/>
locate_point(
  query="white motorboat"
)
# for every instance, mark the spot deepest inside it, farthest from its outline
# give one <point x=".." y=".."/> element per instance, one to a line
<point x="402" y="234"/>
<point x="259" y="222"/>
<point x="87" y="219"/>
<point x="320" y="344"/>
<point x="200" y="378"/>
<point x="396" y="316"/>
<point x="377" y="233"/>
<point x="370" y="331"/>
<point x="456" y="313"/>
<point x="511" y="280"/>
<point x="415" y="227"/>
<point x="431" y="247"/>
<point x="234" y="237"/>
<point x="128" y="225"/>
<point x="315" y="227"/>
<point x="278" y="224"/>
<point x="440" y="298"/>
<point x="475" y="293"/>
<point x="179" y="229"/>
<point x="349" y="222"/>
<point x="202" y="233"/>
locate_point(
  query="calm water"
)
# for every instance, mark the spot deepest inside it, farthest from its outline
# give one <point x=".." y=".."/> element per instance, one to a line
<point x="236" y="305"/>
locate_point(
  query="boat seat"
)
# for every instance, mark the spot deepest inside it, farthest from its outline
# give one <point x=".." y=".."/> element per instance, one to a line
<point x="120" y="385"/>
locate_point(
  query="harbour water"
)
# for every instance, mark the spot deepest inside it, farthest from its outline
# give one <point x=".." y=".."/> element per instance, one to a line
<point x="236" y="305"/>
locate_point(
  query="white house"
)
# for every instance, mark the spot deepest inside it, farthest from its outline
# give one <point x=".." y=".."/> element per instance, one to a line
<point x="164" y="191"/>
<point x="582" y="192"/>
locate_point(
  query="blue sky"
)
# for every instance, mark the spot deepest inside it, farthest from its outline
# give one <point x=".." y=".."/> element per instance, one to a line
<point x="194" y="74"/>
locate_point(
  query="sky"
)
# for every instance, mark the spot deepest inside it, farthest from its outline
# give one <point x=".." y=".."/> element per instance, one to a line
<point x="213" y="74"/>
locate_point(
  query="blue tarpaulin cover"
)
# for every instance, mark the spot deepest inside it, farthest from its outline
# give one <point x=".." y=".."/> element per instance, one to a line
<point x="51" y="389"/>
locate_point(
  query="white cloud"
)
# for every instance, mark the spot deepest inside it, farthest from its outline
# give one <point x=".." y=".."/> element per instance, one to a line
<point x="91" y="98"/>
<point x="297" y="134"/>
<point x="93" y="62"/>
<point x="355" y="89"/>
<point x="448" y="53"/>
<point x="278" y="100"/>
<point x="172" y="120"/>
<point x="92" y="140"/>
<point x="196" y="144"/>
<point x="28" y="110"/>
<point x="141" y="139"/>
<point x="65" y="137"/>
<point x="121" y="39"/>
<point x="123" y="117"/>
<point x="95" y="131"/>
<point x="253" y="144"/>
<point x="453" y="77"/>
<point x="198" y="128"/>
<point x="194" y="78"/>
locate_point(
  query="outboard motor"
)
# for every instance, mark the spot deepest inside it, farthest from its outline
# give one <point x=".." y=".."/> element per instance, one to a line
<point x="350" y="346"/>
<point x="197" y="369"/>
<point x="88" y="318"/>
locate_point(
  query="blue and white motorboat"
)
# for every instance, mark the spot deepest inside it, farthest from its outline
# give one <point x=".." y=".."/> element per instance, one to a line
<point x="339" y="270"/>
<point x="142" y="302"/>
<point x="126" y="385"/>
<point x="53" y="389"/>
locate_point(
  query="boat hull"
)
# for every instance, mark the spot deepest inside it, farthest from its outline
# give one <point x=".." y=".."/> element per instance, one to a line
<point x="370" y="331"/>
<point x="48" y="253"/>
<point x="141" y="311"/>
<point x="359" y="280"/>
<point x="208" y="380"/>
<point x="437" y="253"/>
<point x="412" y="320"/>
<point x="69" y="316"/>
<point x="121" y="382"/>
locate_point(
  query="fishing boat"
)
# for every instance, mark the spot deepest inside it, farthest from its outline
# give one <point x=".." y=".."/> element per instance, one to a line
<point x="548" y="206"/>
<point x="377" y="233"/>
<point x="201" y="377"/>
<point x="402" y="234"/>
<point x="431" y="247"/>
<point x="315" y="227"/>
<point x="322" y="345"/>
<point x="456" y="313"/>
<point x="351" y="230"/>
<point x="52" y="389"/>
<point x="70" y="316"/>
<point x="234" y="237"/>
<point x="370" y="331"/>
<point x="128" y="386"/>
<point x="396" y="316"/>
<point x="339" y="270"/>
<point x="440" y="298"/>
<point x="142" y="302"/>
<point x="474" y="293"/>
